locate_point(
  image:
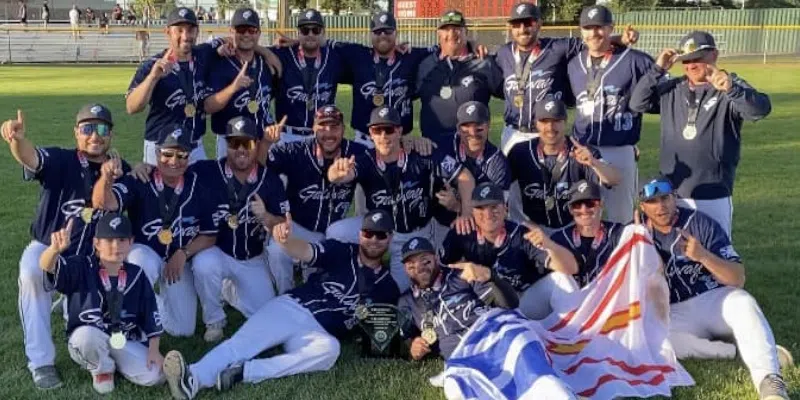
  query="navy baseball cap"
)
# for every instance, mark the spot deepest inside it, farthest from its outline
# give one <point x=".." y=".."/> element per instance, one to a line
<point x="245" y="17"/>
<point x="523" y="11"/>
<point x="487" y="193"/>
<point x="655" y="188"/>
<point x="472" y="112"/>
<point x="94" y="111"/>
<point x="384" y="115"/>
<point x="310" y="17"/>
<point x="452" y="17"/>
<point x="550" y="108"/>
<point x="414" y="246"/>
<point x="175" y="135"/>
<point x="584" y="190"/>
<point x="378" y="221"/>
<point x="182" y="15"/>
<point x="382" y="20"/>
<point x="242" y="127"/>
<point x="695" y="45"/>
<point x="113" y="226"/>
<point x="596" y="15"/>
<point x="328" y="114"/>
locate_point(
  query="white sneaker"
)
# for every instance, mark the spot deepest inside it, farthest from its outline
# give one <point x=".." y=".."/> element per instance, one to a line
<point x="214" y="332"/>
<point x="103" y="383"/>
<point x="785" y="358"/>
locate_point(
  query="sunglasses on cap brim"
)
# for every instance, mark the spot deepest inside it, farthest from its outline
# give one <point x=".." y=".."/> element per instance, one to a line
<point x="655" y="189"/>
<point x="380" y="235"/>
<point x="89" y="128"/>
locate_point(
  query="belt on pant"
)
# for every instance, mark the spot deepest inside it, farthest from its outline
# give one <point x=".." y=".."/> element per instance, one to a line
<point x="296" y="130"/>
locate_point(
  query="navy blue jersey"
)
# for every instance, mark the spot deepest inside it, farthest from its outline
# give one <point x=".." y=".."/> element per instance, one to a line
<point x="292" y="97"/>
<point x="404" y="188"/>
<point x="687" y="278"/>
<point x="527" y="167"/>
<point x="515" y="260"/>
<point x="491" y="166"/>
<point x="247" y="240"/>
<point x="604" y="118"/>
<point x="315" y="202"/>
<point x="591" y="253"/>
<point x="333" y="293"/>
<point x="193" y="216"/>
<point x="78" y="278"/>
<point x="224" y="73"/>
<point x="63" y="196"/>
<point x="397" y="75"/>
<point x="547" y="76"/>
<point x="450" y="306"/>
<point x="168" y="100"/>
<point x="468" y="78"/>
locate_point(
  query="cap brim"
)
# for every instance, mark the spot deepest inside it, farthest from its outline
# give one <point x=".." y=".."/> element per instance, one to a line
<point x="655" y="196"/>
<point x="322" y="121"/>
<point x="442" y="25"/>
<point x="383" y="123"/>
<point x="471" y="121"/>
<point x="481" y="203"/>
<point x="572" y="201"/>
<point x="247" y="23"/>
<point x="183" y="21"/>
<point x="379" y="27"/>
<point x="241" y="135"/>
<point x="115" y="235"/>
<point x="412" y="253"/>
<point x="522" y="18"/>
<point x="95" y="118"/>
<point x="695" y="55"/>
<point x="175" y="146"/>
<point x="306" y="23"/>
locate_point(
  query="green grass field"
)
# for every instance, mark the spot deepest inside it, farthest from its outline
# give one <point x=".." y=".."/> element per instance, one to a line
<point x="765" y="234"/>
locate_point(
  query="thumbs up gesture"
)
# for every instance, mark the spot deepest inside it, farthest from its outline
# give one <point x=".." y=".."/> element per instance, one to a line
<point x="272" y="133"/>
<point x="242" y="80"/>
<point x="283" y="231"/>
<point x="60" y="239"/>
<point x="581" y="153"/>
<point x="536" y="236"/>
<point x="719" y="78"/>
<point x="14" y="129"/>
<point x="258" y="208"/>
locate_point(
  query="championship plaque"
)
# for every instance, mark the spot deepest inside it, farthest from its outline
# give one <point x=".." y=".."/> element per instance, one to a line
<point x="380" y="325"/>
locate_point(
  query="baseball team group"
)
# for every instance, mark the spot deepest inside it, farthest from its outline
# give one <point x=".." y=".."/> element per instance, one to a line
<point x="446" y="225"/>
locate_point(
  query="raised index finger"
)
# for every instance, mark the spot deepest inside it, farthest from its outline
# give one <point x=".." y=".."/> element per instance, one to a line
<point x="20" y="117"/>
<point x="68" y="228"/>
<point x="283" y="121"/>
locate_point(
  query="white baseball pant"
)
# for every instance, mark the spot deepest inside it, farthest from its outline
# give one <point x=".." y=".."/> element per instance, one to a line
<point x="88" y="346"/>
<point x="347" y="230"/>
<point x="281" y="265"/>
<point x="282" y="321"/>
<point x="149" y="153"/>
<point x="34" y="308"/>
<point x="439" y="233"/>
<point x="720" y="210"/>
<point x="177" y="302"/>
<point x="540" y="299"/>
<point x="618" y="200"/>
<point x="250" y="278"/>
<point x="725" y="313"/>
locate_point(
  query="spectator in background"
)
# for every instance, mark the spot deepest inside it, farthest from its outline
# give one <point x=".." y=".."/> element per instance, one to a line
<point x="116" y="14"/>
<point x="74" y="21"/>
<point x="23" y="13"/>
<point x="89" y="16"/>
<point x="211" y="14"/>
<point x="45" y="13"/>
<point x="143" y="37"/>
<point x="103" y="23"/>
<point x="130" y="16"/>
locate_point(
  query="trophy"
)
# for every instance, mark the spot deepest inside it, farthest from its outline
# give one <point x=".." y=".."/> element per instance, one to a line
<point x="380" y="324"/>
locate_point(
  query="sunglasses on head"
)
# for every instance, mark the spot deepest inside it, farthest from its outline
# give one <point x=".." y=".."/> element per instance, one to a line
<point x="383" y="31"/>
<point x="527" y="23"/>
<point x="100" y="128"/>
<point x="375" y="234"/>
<point x="247" y="29"/>
<point x="305" y="30"/>
<point x="381" y="130"/>
<point x="236" y="143"/>
<point x="173" y="153"/>
<point x="655" y="188"/>
<point x="589" y="203"/>
<point x="451" y="18"/>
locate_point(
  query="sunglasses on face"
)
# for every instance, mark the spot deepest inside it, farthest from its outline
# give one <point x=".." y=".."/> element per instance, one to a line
<point x="381" y="130"/>
<point x="375" y="234"/>
<point x="172" y="153"/>
<point x="525" y="23"/>
<point x="101" y="129"/>
<point x="237" y="143"/>
<point x="305" y="30"/>
<point x="247" y="29"/>
<point x="581" y="203"/>
<point x="384" y="31"/>
<point x="655" y="188"/>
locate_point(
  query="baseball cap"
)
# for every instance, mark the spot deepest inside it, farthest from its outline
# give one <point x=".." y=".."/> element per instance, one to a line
<point x="113" y="226"/>
<point x="487" y="193"/>
<point x="525" y="10"/>
<point x="384" y="116"/>
<point x="414" y="246"/>
<point x="175" y="135"/>
<point x="584" y="190"/>
<point x="695" y="45"/>
<point x="94" y="111"/>
<point x="382" y="20"/>
<point x="310" y="17"/>
<point x="242" y="127"/>
<point x="452" y="17"/>
<point x="596" y="15"/>
<point x="472" y="111"/>
<point x="328" y="114"/>
<point x="550" y="108"/>
<point x="654" y="188"/>
<point x="245" y="17"/>
<point x="377" y="221"/>
<point x="182" y="15"/>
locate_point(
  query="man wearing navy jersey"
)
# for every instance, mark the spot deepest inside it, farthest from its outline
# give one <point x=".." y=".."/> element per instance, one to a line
<point x="706" y="277"/>
<point x="399" y="182"/>
<point x="306" y="321"/>
<point x="522" y="255"/>
<point x="172" y="221"/>
<point x="251" y="200"/>
<point x="451" y="77"/>
<point x="547" y="167"/>
<point x="113" y="322"/>
<point x="602" y="76"/>
<point x="316" y="203"/>
<point x="701" y="123"/>
<point x="67" y="177"/>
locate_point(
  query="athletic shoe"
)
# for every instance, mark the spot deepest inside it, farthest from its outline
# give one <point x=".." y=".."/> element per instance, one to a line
<point x="773" y="388"/>
<point x="103" y="383"/>
<point x="785" y="358"/>
<point x="214" y="332"/>
<point x="182" y="384"/>
<point x="230" y="376"/>
<point x="46" y="378"/>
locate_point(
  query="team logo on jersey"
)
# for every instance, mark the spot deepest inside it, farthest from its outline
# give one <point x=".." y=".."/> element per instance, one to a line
<point x="592" y="13"/>
<point x="247" y="14"/>
<point x="96" y="110"/>
<point x="485" y="192"/>
<point x="467" y="80"/>
<point x="470" y="109"/>
<point x="383" y="18"/>
<point x="183" y="12"/>
<point x="710" y="103"/>
<point x="309" y="14"/>
<point x="115" y="223"/>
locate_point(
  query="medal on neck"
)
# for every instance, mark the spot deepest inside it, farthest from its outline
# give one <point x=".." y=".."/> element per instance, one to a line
<point x="236" y="199"/>
<point x="379" y="98"/>
<point x="428" y="329"/>
<point x="254" y="89"/>
<point x="167" y="208"/>
<point x="87" y="212"/>
<point x="550" y="200"/>
<point x="186" y="80"/>
<point x="114" y="300"/>
<point x="522" y="73"/>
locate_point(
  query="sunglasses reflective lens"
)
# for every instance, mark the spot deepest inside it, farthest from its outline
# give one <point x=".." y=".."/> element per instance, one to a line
<point x="102" y="130"/>
<point x="376" y="235"/>
<point x="170" y="153"/>
<point x="656" y="188"/>
<point x="236" y="143"/>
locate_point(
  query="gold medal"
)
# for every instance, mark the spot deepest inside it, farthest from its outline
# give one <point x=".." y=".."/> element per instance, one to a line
<point x="233" y="221"/>
<point x="518" y="101"/>
<point x="429" y="336"/>
<point x="690" y="132"/>
<point x="117" y="340"/>
<point x="362" y="312"/>
<point x="378" y="99"/>
<point x="446" y="92"/>
<point x="165" y="237"/>
<point x="190" y="110"/>
<point x="549" y="203"/>
<point x="86" y="214"/>
<point x="252" y="106"/>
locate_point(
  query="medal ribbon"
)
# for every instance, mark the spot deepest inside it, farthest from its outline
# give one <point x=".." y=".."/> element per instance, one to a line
<point x="462" y="154"/>
<point x="692" y="103"/>
<point x="254" y="88"/>
<point x="310" y="74"/>
<point x="392" y="179"/>
<point x="114" y="298"/>
<point x="186" y="79"/>
<point x="381" y="70"/>
<point x="166" y="207"/>
<point x="522" y="68"/>
<point x="236" y="199"/>
<point x="556" y="171"/>
<point x="498" y="241"/>
<point x="599" y="236"/>
<point x="88" y="180"/>
<point x="595" y="74"/>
